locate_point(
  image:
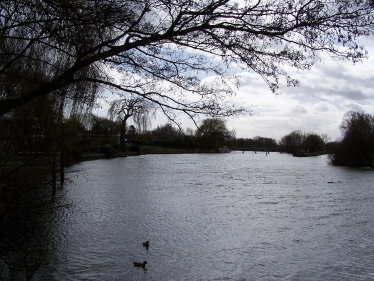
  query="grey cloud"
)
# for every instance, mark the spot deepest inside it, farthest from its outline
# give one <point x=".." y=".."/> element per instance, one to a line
<point x="299" y="110"/>
<point x="351" y="94"/>
<point x="353" y="106"/>
<point x="323" y="107"/>
<point x="321" y="92"/>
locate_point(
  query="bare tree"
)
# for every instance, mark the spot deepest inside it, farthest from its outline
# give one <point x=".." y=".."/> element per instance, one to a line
<point x="326" y="138"/>
<point x="57" y="58"/>
<point x="162" y="49"/>
<point x="137" y="108"/>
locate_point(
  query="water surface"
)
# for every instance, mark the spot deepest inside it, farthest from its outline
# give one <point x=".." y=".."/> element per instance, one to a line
<point x="237" y="216"/>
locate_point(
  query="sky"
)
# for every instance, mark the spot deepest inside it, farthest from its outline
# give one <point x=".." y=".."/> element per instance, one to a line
<point x="317" y="105"/>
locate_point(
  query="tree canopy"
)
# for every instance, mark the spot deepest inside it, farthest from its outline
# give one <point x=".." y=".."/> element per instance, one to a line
<point x="213" y="133"/>
<point x="356" y="146"/>
<point x="137" y="108"/>
<point x="163" y="50"/>
<point x="300" y="140"/>
<point x="257" y="143"/>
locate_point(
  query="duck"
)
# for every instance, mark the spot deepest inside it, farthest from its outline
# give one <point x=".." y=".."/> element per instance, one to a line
<point x="146" y="244"/>
<point x="140" y="264"/>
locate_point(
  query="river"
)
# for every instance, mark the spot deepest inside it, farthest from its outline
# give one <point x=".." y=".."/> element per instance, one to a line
<point x="235" y="216"/>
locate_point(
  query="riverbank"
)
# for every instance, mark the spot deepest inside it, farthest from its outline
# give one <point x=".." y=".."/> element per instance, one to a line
<point x="307" y="154"/>
<point x="143" y="151"/>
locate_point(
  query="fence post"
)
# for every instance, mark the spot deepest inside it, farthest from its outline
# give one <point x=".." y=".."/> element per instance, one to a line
<point x="53" y="173"/>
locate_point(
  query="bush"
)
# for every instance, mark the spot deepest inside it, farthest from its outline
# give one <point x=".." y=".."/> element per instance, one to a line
<point x="116" y="146"/>
<point x="108" y="151"/>
<point x="93" y="149"/>
<point x="74" y="152"/>
<point x="135" y="148"/>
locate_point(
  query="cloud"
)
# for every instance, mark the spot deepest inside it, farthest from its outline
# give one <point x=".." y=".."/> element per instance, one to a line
<point x="326" y="93"/>
<point x="352" y="106"/>
<point x="323" y="107"/>
<point x="318" y="105"/>
<point x="299" y="109"/>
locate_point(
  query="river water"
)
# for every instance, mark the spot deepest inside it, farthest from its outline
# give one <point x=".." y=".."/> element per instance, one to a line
<point x="236" y="216"/>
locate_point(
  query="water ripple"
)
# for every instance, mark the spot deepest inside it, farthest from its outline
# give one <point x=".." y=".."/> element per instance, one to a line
<point x="214" y="217"/>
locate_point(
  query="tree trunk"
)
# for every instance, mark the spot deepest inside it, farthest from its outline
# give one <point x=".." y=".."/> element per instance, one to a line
<point x="122" y="133"/>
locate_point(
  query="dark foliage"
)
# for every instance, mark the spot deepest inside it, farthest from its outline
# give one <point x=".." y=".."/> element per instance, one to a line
<point x="356" y="147"/>
<point x="300" y="141"/>
<point x="257" y="144"/>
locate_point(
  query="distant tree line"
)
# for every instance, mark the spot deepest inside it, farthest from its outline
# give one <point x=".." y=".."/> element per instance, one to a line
<point x="257" y="144"/>
<point x="298" y="140"/>
<point x="211" y="134"/>
<point x="354" y="148"/>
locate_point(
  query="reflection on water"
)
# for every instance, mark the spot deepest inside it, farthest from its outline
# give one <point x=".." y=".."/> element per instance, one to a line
<point x="215" y="217"/>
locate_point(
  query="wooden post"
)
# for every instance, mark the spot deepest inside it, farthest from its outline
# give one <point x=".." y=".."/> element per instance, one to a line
<point x="62" y="167"/>
<point x="62" y="155"/>
<point x="53" y="173"/>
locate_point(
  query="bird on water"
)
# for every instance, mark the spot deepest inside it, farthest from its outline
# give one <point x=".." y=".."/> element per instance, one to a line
<point x="140" y="264"/>
<point x="146" y="244"/>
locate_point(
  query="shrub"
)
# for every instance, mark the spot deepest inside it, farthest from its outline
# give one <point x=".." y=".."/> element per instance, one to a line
<point x="108" y="151"/>
<point x="135" y="148"/>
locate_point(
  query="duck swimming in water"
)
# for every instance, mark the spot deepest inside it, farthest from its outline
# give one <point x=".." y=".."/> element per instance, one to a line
<point x="140" y="264"/>
<point x="146" y="244"/>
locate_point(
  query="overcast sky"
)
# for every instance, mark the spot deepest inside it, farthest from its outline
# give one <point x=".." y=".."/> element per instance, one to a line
<point x="318" y="105"/>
